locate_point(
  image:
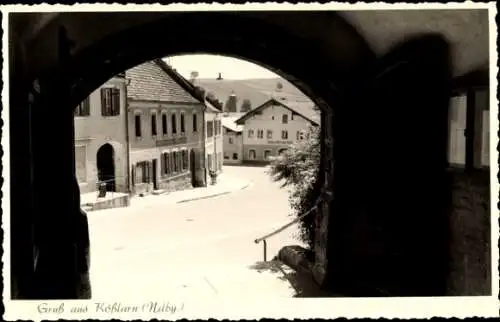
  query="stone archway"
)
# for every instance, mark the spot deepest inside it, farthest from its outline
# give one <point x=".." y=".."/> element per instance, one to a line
<point x="106" y="166"/>
<point x="343" y="77"/>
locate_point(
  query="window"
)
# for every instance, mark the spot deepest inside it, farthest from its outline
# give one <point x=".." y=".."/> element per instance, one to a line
<point x="300" y="135"/>
<point x="226" y="157"/>
<point x="185" y="160"/>
<point x="267" y="154"/>
<point x="142" y="172"/>
<point x="164" y="123"/>
<point x="153" y="124"/>
<point x="110" y="101"/>
<point x="209" y="161"/>
<point x="168" y="167"/>
<point x="230" y="140"/>
<point x="272" y="118"/>
<point x="83" y="109"/>
<point x="260" y="134"/>
<point x="284" y="119"/>
<point x="81" y="163"/>
<point x="250" y="133"/>
<point x="195" y="123"/>
<point x="174" y="124"/>
<point x="183" y="128"/>
<point x="251" y="154"/>
<point x="138" y="131"/>
<point x="235" y="156"/>
<point x="175" y="160"/>
<point x="458" y="118"/>
<point x="284" y="135"/>
<point x="269" y="134"/>
<point x="210" y="129"/>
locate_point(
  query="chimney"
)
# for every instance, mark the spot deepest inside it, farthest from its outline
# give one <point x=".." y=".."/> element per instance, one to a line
<point x="220" y="76"/>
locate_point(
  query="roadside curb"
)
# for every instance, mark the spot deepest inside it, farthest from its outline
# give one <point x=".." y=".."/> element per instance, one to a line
<point x="215" y="194"/>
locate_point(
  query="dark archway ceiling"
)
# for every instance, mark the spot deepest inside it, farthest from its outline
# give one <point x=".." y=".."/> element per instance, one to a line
<point x="467" y="30"/>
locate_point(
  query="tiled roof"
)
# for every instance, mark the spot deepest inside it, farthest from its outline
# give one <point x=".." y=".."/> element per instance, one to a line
<point x="305" y="109"/>
<point x="230" y="123"/>
<point x="150" y="82"/>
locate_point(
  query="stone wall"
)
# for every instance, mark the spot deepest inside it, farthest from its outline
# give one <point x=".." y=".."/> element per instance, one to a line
<point x="470" y="222"/>
<point x="179" y="182"/>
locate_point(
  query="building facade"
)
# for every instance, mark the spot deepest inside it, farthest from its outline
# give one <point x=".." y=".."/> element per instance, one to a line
<point x="101" y="143"/>
<point x="272" y="127"/>
<point x="166" y="131"/>
<point x="232" y="141"/>
<point x="213" y="140"/>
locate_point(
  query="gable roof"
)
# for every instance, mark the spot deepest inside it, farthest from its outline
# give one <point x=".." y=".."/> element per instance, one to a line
<point x="151" y="81"/>
<point x="304" y="109"/>
<point x="230" y="123"/>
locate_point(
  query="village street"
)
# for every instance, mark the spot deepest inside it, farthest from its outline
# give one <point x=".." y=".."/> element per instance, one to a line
<point x="200" y="248"/>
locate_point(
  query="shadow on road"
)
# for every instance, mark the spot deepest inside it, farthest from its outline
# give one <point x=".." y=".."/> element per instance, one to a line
<point x="302" y="283"/>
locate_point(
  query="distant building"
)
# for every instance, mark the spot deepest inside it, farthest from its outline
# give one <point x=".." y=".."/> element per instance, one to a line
<point x="213" y="139"/>
<point x="272" y="127"/>
<point x="233" y="140"/>
<point x="101" y="143"/>
<point x="166" y="130"/>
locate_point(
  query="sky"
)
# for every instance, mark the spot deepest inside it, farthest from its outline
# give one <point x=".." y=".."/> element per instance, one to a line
<point x="209" y="66"/>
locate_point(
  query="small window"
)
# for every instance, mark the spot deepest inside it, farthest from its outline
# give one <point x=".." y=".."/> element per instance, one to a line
<point x="250" y="133"/>
<point x="110" y="101"/>
<point x="260" y="134"/>
<point x="251" y="154"/>
<point x="284" y="119"/>
<point x="230" y="140"/>
<point x="164" y="123"/>
<point x="235" y="156"/>
<point x="284" y="135"/>
<point x="138" y="131"/>
<point x="83" y="109"/>
<point x="269" y="134"/>
<point x="226" y="156"/>
<point x="195" y="123"/>
<point x="153" y="125"/>
<point x="300" y="135"/>
<point x="210" y="129"/>
<point x="174" y="124"/>
<point x="183" y="128"/>
<point x="267" y="154"/>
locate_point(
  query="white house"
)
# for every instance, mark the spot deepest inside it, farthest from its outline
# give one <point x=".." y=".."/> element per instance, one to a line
<point x="272" y="127"/>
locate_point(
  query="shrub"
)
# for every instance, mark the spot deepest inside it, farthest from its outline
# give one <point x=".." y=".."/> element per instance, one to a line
<point x="297" y="169"/>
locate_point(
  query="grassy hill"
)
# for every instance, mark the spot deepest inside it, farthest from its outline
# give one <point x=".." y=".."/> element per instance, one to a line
<point x="257" y="91"/>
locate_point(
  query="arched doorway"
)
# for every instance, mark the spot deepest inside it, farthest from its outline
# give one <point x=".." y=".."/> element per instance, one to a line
<point x="282" y="151"/>
<point x="106" y="166"/>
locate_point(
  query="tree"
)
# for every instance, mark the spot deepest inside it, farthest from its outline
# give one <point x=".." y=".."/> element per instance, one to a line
<point x="298" y="168"/>
<point x="194" y="76"/>
<point x="246" y="105"/>
<point x="231" y="104"/>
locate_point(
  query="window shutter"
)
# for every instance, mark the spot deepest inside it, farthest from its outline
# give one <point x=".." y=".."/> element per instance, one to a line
<point x="115" y="101"/>
<point x="103" y="101"/>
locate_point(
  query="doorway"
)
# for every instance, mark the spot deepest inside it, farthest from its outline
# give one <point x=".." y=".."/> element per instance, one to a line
<point x="155" y="181"/>
<point x="106" y="166"/>
<point x="192" y="167"/>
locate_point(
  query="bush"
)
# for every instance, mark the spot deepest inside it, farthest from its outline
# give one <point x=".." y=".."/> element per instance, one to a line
<point x="297" y="169"/>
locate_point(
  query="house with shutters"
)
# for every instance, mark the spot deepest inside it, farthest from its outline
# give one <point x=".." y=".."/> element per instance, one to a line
<point x="101" y="138"/>
<point x="270" y="129"/>
<point x="166" y="130"/>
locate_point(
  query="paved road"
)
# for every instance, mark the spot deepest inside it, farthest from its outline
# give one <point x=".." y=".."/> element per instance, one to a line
<point x="195" y="249"/>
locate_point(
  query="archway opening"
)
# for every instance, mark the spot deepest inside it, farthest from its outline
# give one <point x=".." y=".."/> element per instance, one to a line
<point x="106" y="166"/>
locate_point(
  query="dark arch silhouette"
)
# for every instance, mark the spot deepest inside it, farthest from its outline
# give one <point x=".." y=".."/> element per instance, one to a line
<point x="106" y="166"/>
<point x="282" y="150"/>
